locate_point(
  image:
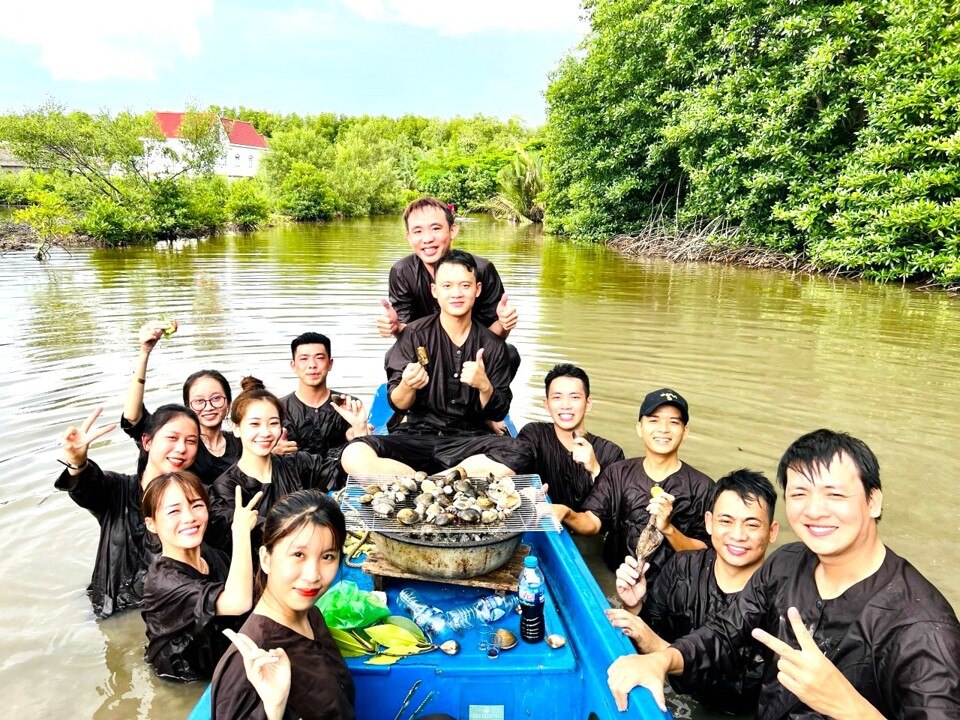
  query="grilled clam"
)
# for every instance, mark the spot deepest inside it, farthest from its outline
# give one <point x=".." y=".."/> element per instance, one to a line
<point x="408" y="516"/>
<point x="470" y="516"/>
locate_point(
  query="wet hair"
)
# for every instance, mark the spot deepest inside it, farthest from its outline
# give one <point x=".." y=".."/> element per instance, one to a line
<point x="456" y="257"/>
<point x="213" y="375"/>
<point x="253" y="390"/>
<point x="428" y="201"/>
<point x="166" y="413"/>
<point x="188" y="482"/>
<point x="750" y="486"/>
<point x="566" y="370"/>
<point x="309" y="338"/>
<point x="295" y="511"/>
<point x="817" y="449"/>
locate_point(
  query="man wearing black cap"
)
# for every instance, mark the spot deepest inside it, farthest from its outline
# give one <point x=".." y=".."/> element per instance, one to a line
<point x="620" y="504"/>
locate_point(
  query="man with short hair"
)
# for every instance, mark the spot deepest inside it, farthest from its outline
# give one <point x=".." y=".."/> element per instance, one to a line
<point x="568" y="458"/>
<point x="620" y="503"/>
<point x="851" y="629"/>
<point x="450" y="374"/>
<point x="696" y="586"/>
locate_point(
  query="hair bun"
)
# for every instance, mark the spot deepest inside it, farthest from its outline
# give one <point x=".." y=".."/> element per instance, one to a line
<point x="251" y="383"/>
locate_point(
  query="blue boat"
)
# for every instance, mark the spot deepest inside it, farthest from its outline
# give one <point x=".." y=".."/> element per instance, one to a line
<point x="530" y="681"/>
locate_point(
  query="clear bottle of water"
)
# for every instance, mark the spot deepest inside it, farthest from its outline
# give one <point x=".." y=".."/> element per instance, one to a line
<point x="484" y="611"/>
<point x="430" y="619"/>
<point x="531" y="592"/>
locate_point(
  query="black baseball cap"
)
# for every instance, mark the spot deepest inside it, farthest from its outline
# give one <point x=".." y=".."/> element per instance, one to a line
<point x="665" y="396"/>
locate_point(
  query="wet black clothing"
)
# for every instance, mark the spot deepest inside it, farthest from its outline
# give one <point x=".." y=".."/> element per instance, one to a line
<point x="446" y="405"/>
<point x="412" y="298"/>
<point x="316" y="430"/>
<point x="433" y="453"/>
<point x="185" y="639"/>
<point x="892" y="635"/>
<point x="320" y="687"/>
<point x="207" y="466"/>
<point x="126" y="548"/>
<point x="570" y="483"/>
<point x="620" y="498"/>
<point x="684" y="597"/>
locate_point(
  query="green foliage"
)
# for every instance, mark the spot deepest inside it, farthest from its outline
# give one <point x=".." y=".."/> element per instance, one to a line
<point x="825" y="128"/>
<point x="49" y="216"/>
<point x="305" y="193"/>
<point x="247" y="204"/>
<point x="15" y="187"/>
<point x="521" y="185"/>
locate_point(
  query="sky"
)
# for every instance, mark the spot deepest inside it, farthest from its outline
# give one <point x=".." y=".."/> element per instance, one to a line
<point x="437" y="58"/>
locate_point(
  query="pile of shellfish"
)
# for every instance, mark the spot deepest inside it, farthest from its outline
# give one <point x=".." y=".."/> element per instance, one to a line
<point x="446" y="500"/>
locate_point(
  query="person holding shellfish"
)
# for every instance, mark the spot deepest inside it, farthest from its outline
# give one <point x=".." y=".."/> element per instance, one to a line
<point x="449" y="390"/>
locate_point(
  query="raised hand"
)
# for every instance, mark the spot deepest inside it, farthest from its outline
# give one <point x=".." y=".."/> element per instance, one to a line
<point x="151" y="332"/>
<point x="632" y="584"/>
<point x="415" y="376"/>
<point x="388" y="323"/>
<point x="584" y="455"/>
<point x="76" y="441"/>
<point x="267" y="671"/>
<point x="661" y="507"/>
<point x="507" y="313"/>
<point x="284" y="446"/>
<point x="244" y="516"/>
<point x="474" y="373"/>
<point x="354" y="413"/>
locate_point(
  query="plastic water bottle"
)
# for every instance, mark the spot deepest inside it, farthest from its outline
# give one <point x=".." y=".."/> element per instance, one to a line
<point x="484" y="611"/>
<point x="531" y="591"/>
<point x="430" y="619"/>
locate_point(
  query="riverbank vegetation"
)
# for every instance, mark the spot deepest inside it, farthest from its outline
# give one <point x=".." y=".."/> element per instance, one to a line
<point x="826" y="131"/>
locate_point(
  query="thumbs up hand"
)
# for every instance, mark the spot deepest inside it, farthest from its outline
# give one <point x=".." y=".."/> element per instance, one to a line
<point x="507" y="313"/>
<point x="388" y="324"/>
<point x="474" y="374"/>
<point x="284" y="446"/>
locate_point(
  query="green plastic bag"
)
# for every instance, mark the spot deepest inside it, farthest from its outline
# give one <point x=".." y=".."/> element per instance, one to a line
<point x="347" y="607"/>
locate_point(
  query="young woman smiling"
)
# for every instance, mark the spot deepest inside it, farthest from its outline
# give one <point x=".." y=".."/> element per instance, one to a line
<point x="125" y="550"/>
<point x="206" y="392"/>
<point x="192" y="591"/>
<point x="300" y="557"/>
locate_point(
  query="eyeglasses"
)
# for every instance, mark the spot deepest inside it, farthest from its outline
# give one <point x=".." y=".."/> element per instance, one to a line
<point x="215" y="401"/>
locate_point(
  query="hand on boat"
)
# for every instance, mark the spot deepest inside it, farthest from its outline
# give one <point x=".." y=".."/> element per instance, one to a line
<point x="661" y="507"/>
<point x="507" y="313"/>
<point x="284" y="446"/>
<point x="388" y="324"/>
<point x="632" y="584"/>
<point x="474" y="373"/>
<point x="630" y="671"/>
<point x="244" y="516"/>
<point x="633" y="627"/>
<point x="354" y="413"/>
<point x="267" y="671"/>
<point x="76" y="441"/>
<point x="415" y="376"/>
<point x="584" y="455"/>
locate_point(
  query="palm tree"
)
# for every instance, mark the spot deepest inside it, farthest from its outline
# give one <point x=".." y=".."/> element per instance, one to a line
<point x="521" y="183"/>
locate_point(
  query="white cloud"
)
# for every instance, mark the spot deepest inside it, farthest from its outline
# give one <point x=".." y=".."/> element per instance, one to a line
<point x="467" y="17"/>
<point x="101" y="39"/>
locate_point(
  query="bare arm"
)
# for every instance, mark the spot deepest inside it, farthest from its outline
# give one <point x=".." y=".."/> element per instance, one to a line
<point x="150" y="333"/>
<point x="237" y="595"/>
<point x="661" y="506"/>
<point x="582" y="523"/>
<point x="405" y="393"/>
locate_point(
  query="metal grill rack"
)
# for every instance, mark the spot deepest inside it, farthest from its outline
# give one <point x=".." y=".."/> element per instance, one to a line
<point x="523" y="519"/>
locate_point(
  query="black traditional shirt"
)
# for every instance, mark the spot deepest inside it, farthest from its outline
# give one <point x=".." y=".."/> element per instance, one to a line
<point x="126" y="548"/>
<point x="446" y="405"/>
<point x="207" y="466"/>
<point x="412" y="298"/>
<point x="320" y="686"/>
<point x="892" y="635"/>
<point x="684" y="597"/>
<point x="316" y="430"/>
<point x="570" y="483"/>
<point x="185" y="637"/>
<point x="620" y="498"/>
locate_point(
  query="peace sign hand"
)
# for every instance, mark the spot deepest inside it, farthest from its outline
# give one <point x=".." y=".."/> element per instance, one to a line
<point x="244" y="516"/>
<point x="810" y="675"/>
<point x="76" y="441"/>
<point x="267" y="671"/>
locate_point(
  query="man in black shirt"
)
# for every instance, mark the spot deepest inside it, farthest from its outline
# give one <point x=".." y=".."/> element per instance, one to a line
<point x="850" y="629"/>
<point x="450" y="374"/>
<point x="620" y="503"/>
<point x="696" y="586"/>
<point x="568" y="457"/>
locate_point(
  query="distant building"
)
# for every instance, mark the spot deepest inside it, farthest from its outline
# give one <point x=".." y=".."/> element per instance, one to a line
<point x="243" y="147"/>
<point x="9" y="162"/>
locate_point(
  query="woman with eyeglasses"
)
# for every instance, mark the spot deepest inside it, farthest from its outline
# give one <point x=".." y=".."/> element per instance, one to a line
<point x="206" y="392"/>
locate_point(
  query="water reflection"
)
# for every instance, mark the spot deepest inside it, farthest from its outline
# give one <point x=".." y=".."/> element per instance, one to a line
<point x="761" y="356"/>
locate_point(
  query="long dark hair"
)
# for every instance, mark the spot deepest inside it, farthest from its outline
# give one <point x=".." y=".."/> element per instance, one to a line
<point x="213" y="375"/>
<point x="188" y="482"/>
<point x="295" y="511"/>
<point x="253" y="390"/>
<point x="166" y="413"/>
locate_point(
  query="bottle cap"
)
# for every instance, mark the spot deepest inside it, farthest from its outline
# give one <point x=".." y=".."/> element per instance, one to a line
<point x="530" y="561"/>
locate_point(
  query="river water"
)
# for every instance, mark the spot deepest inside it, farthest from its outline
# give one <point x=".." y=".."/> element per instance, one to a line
<point x="761" y="356"/>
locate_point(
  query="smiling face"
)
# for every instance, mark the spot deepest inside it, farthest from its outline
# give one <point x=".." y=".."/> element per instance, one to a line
<point x="456" y="289"/>
<point x="311" y="363"/>
<point x="172" y="447"/>
<point x="301" y="566"/>
<point x="208" y="399"/>
<point x="179" y="521"/>
<point x="662" y="431"/>
<point x="259" y="428"/>
<point x="567" y="402"/>
<point x="740" y="531"/>
<point x="429" y="234"/>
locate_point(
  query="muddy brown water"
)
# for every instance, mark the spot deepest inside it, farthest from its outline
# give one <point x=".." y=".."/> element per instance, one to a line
<point x="761" y="357"/>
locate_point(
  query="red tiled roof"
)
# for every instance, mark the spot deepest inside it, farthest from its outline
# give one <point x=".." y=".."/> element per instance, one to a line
<point x="238" y="131"/>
